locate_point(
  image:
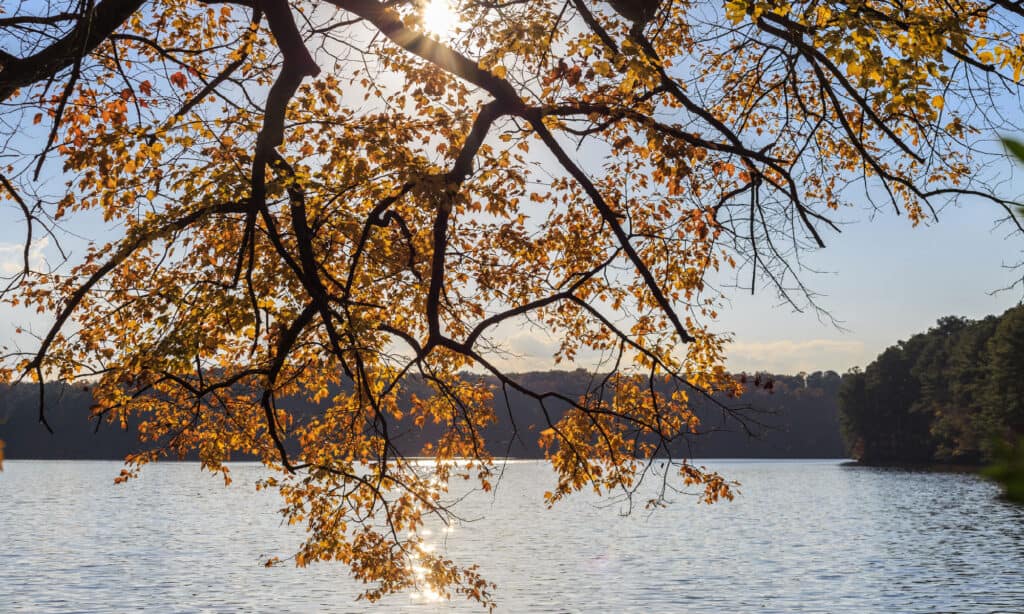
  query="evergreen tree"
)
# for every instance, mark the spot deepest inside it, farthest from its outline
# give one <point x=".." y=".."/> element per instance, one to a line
<point x="954" y="393"/>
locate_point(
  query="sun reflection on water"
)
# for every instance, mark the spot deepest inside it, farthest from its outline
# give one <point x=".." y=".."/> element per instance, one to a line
<point x="425" y="590"/>
<point x="427" y="594"/>
<point x="427" y="545"/>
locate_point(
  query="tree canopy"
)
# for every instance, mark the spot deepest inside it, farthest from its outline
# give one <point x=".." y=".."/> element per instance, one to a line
<point x="317" y="198"/>
<point x="951" y="394"/>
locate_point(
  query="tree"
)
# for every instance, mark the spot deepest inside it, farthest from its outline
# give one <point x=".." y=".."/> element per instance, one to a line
<point x="958" y="421"/>
<point x="318" y="198"/>
<point x="892" y="430"/>
<point x="855" y="412"/>
<point x="950" y="394"/>
<point x="1003" y="394"/>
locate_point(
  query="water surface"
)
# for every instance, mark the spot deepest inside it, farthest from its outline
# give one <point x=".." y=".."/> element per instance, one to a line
<point x="803" y="536"/>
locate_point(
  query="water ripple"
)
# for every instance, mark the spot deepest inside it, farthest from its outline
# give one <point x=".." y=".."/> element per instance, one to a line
<point x="803" y="537"/>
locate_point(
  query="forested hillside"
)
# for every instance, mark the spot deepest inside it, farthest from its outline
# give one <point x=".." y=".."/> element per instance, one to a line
<point x="952" y="394"/>
<point x="778" y="417"/>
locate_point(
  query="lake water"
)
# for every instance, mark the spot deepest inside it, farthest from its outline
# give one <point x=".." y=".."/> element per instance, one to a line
<point x="803" y="536"/>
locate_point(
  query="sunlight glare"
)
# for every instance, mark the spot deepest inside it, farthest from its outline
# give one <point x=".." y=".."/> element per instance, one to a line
<point x="439" y="17"/>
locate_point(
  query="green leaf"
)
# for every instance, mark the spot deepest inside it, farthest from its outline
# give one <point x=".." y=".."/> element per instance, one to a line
<point x="1015" y="147"/>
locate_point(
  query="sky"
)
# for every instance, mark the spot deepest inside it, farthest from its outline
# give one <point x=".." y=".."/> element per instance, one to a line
<point x="881" y="279"/>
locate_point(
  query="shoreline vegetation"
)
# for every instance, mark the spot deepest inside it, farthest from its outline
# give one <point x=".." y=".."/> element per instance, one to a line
<point x="953" y="395"/>
<point x="793" y="417"/>
<point x="920" y="467"/>
<point x="950" y="400"/>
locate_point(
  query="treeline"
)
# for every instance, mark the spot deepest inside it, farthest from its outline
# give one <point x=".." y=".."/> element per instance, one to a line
<point x="954" y="394"/>
<point x="67" y="411"/>
<point x="779" y="417"/>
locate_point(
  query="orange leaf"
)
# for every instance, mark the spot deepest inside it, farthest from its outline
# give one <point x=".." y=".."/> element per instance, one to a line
<point x="179" y="79"/>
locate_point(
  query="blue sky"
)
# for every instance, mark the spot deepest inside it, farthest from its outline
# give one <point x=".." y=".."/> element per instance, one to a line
<point x="884" y="281"/>
<point x="881" y="278"/>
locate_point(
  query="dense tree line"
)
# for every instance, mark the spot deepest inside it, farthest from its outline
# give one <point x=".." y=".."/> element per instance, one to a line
<point x="782" y="417"/>
<point x="952" y="394"/>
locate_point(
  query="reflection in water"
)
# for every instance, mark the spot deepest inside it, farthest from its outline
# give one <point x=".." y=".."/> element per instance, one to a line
<point x="425" y="591"/>
<point x="803" y="536"/>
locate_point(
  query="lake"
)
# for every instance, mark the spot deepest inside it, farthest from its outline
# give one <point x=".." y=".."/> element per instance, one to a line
<point x="803" y="536"/>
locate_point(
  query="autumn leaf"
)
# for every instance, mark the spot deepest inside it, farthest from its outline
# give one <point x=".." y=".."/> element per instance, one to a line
<point x="179" y="79"/>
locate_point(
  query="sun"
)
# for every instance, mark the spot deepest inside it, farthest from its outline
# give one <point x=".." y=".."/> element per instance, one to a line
<point x="439" y="17"/>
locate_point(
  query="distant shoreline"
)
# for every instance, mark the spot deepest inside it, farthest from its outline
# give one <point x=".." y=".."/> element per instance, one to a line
<point x="925" y="467"/>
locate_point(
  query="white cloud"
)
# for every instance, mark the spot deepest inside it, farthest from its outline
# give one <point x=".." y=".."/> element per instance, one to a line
<point x="532" y="349"/>
<point x="785" y="356"/>
<point x="12" y="256"/>
<point x="531" y="344"/>
<point x="521" y="348"/>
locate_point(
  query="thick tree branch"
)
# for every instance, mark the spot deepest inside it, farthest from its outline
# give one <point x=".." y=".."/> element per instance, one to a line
<point x="91" y="30"/>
